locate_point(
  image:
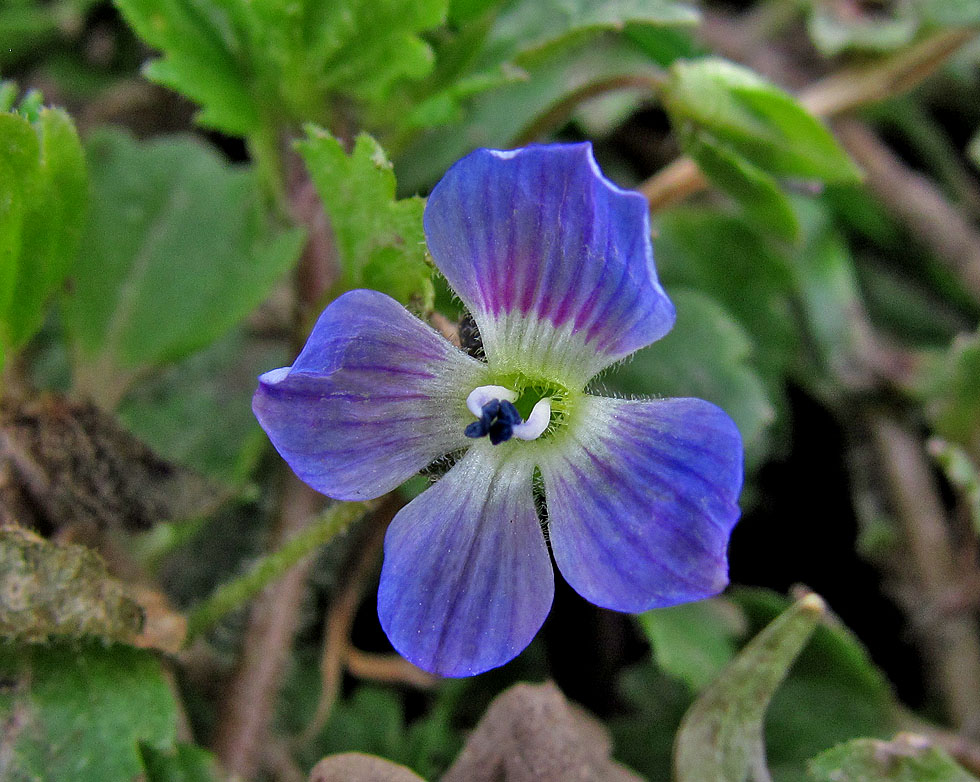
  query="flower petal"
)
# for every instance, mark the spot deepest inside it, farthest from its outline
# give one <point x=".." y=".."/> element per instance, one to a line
<point x="642" y="500"/>
<point x="374" y="397"/>
<point x="467" y="580"/>
<point x="552" y="259"/>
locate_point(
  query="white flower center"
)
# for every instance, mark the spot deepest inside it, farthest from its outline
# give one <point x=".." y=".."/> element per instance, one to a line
<point x="531" y="429"/>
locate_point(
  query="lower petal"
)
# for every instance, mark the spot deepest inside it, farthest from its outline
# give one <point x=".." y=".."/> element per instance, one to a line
<point x="375" y="396"/>
<point x="642" y="501"/>
<point x="467" y="581"/>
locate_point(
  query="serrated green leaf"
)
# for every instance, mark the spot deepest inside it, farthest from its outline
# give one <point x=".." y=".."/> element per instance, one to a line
<point x="256" y="66"/>
<point x="43" y="202"/>
<point x="755" y="191"/>
<point x="530" y="29"/>
<point x="693" y="641"/>
<point x="177" y="251"/>
<point x="835" y="29"/>
<point x="754" y="119"/>
<point x="720" y="739"/>
<point x="49" y="591"/>
<point x="380" y="240"/>
<point x="80" y="711"/>
<point x="706" y="355"/>
<point x="906" y="758"/>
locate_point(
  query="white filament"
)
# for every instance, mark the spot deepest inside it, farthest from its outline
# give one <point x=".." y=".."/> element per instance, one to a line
<point x="480" y="395"/>
<point x="536" y="423"/>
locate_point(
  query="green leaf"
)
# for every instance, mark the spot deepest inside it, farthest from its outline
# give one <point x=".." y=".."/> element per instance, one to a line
<point x="948" y="13"/>
<point x="81" y="711"/>
<point x="752" y="188"/>
<point x="258" y="66"/>
<point x="826" y="283"/>
<point x="43" y="200"/>
<point x="198" y="412"/>
<point x="754" y="120"/>
<point x="183" y="763"/>
<point x="952" y="392"/>
<point x="833" y="677"/>
<point x="720" y="739"/>
<point x="379" y="239"/>
<point x="706" y="355"/>
<point x="530" y="29"/>
<point x="693" y="641"/>
<point x="720" y="255"/>
<point x="50" y="590"/>
<point x="906" y="758"/>
<point x="835" y="29"/>
<point x="499" y="117"/>
<point x="178" y="250"/>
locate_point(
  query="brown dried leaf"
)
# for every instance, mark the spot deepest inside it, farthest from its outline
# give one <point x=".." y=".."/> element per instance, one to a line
<point x="355" y="767"/>
<point x="50" y="590"/>
<point x="76" y="466"/>
<point x="531" y="733"/>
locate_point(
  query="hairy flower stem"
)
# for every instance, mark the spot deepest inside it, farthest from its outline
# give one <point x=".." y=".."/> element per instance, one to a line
<point x="272" y="566"/>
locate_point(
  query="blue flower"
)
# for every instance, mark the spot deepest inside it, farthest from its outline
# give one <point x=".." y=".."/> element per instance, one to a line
<point x="554" y="263"/>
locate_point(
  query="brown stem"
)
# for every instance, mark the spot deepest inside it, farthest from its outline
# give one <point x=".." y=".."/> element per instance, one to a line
<point x="337" y="627"/>
<point x="948" y="637"/>
<point x="388" y="668"/>
<point x="916" y="202"/>
<point x="249" y="705"/>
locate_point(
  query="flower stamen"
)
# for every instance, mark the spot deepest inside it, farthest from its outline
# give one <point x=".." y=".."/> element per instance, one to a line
<point x="500" y="419"/>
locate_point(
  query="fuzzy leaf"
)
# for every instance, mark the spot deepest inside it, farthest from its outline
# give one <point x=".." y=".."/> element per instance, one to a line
<point x="379" y="239"/>
<point x="49" y="590"/>
<point x="177" y="251"/>
<point x="754" y="119"/>
<point x="79" y="712"/>
<point x="906" y="758"/>
<point x="720" y="739"/>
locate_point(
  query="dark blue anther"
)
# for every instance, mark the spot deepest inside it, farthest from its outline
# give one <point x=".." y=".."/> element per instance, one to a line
<point x="497" y="419"/>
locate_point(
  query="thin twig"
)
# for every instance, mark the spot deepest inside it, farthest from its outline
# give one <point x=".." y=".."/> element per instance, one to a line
<point x="388" y="668"/>
<point x="948" y="637"/>
<point x="250" y="703"/>
<point x="340" y="618"/>
<point x="916" y="202"/>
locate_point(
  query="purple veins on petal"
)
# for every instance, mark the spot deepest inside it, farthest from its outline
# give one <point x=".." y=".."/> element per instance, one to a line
<point x="641" y="506"/>
<point x="373" y="398"/>
<point x="540" y="233"/>
<point x="467" y="580"/>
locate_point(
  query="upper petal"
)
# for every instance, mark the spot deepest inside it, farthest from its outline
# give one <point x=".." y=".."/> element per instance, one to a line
<point x="467" y="581"/>
<point x="642" y="501"/>
<point x="374" y="397"/>
<point x="552" y="259"/>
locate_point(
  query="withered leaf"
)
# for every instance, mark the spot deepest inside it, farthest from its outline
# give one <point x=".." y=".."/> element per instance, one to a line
<point x="531" y="733"/>
<point x="50" y="590"/>
<point x="357" y="767"/>
<point x="74" y="465"/>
